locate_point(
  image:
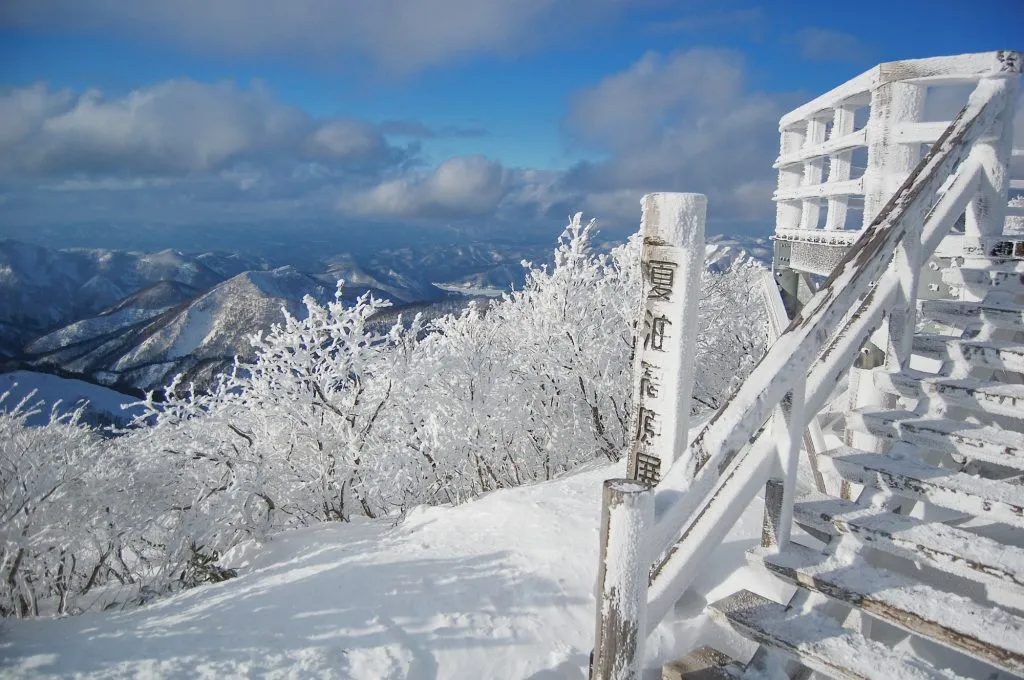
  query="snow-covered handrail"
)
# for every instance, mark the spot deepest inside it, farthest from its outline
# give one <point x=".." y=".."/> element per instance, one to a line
<point x="824" y="133"/>
<point x="734" y="454"/>
<point x="808" y="349"/>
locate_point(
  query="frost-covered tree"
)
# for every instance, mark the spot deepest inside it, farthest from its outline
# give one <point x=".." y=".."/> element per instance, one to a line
<point x="59" y="535"/>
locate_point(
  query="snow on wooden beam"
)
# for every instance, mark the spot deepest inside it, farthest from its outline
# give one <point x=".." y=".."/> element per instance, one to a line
<point x="938" y="70"/>
<point x="954" y="69"/>
<point x="938" y="545"/>
<point x="969" y="393"/>
<point x="818" y="236"/>
<point x="976" y="442"/>
<point x="967" y="314"/>
<point x="961" y="68"/>
<point x="985" y="633"/>
<point x="823" y="190"/>
<point x="663" y="363"/>
<point x="703" y="663"/>
<point x="986" y="213"/>
<point x="919" y="133"/>
<point x="946" y="488"/>
<point x="854" y="92"/>
<point x="835" y="145"/>
<point x="818" y="641"/>
<point x="995" y="355"/>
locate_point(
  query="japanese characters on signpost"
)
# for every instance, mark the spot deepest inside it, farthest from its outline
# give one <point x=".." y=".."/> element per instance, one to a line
<point x="663" y="351"/>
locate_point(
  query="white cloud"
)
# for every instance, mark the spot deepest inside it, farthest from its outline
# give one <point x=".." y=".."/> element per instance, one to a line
<point x="171" y="128"/>
<point x="404" y="35"/>
<point x="685" y="121"/>
<point x="346" y="139"/>
<point x="23" y="110"/>
<point x="632" y="106"/>
<point x="682" y="122"/>
<point x="459" y="187"/>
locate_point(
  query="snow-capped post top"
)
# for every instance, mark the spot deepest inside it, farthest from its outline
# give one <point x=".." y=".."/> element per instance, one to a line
<point x="672" y="260"/>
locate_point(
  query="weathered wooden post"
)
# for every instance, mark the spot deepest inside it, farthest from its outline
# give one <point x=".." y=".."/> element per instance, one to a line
<point x="663" y="361"/>
<point x="627" y="511"/>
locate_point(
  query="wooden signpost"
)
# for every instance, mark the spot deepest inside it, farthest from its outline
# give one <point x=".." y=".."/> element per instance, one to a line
<point x="672" y="260"/>
<point x="663" y="360"/>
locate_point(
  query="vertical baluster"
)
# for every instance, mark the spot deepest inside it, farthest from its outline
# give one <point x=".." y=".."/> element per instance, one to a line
<point x="813" y="171"/>
<point x="903" y="318"/>
<point x="788" y="426"/>
<point x="840" y="166"/>
<point x="787" y="213"/>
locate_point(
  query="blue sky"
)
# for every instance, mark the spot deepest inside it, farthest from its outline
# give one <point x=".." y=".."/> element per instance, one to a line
<point x="491" y="114"/>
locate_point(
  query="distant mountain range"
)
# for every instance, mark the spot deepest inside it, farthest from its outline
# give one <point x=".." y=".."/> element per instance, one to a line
<point x="133" y="321"/>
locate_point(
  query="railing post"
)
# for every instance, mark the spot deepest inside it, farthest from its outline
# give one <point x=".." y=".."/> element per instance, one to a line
<point x="986" y="213"/>
<point x="813" y="437"/>
<point x="889" y="163"/>
<point x="663" y="362"/>
<point x="627" y="512"/>
<point x="788" y="426"/>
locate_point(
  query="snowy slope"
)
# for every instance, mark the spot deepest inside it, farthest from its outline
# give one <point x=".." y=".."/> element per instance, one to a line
<point x="141" y="344"/>
<point x="722" y="251"/>
<point x="51" y="388"/>
<point x="501" y="587"/>
<point x="221" y="320"/>
<point x="132" y="310"/>
<point x="42" y="289"/>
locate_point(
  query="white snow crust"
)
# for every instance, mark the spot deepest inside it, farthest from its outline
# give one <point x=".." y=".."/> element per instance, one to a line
<point x="502" y="587"/>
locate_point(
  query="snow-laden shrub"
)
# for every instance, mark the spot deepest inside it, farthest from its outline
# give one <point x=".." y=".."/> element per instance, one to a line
<point x="59" y="534"/>
<point x="333" y="418"/>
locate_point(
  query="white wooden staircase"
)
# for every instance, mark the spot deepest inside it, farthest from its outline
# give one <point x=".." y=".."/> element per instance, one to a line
<point x="907" y="548"/>
<point x="955" y="441"/>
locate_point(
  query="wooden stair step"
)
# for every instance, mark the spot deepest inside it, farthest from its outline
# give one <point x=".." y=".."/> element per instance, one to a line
<point x="941" y="546"/>
<point x="817" y="641"/>
<point x="703" y="663"/>
<point x="980" y="631"/>
<point x="978" y="395"/>
<point x="981" y="442"/>
<point x="989" y="354"/>
<point x="965" y="314"/>
<point x="910" y="478"/>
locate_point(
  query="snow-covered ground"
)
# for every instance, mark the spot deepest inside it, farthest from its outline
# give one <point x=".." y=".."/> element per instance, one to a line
<point x="49" y="389"/>
<point x="501" y="587"/>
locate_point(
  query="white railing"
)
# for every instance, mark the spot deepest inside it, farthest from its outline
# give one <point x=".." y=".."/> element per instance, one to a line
<point x="844" y="154"/>
<point x="873" y="287"/>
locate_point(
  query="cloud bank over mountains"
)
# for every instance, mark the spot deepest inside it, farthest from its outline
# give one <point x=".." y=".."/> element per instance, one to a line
<point x="172" y="128"/>
<point x="684" y="121"/>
